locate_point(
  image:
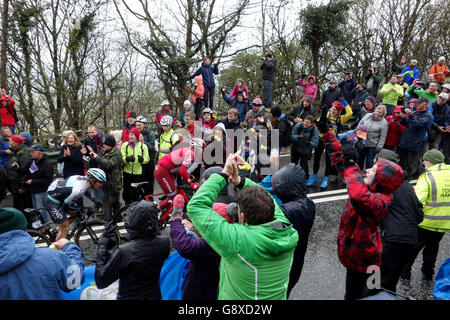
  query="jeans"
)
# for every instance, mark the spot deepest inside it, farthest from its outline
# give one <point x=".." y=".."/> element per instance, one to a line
<point x="267" y="92"/>
<point x="329" y="169"/>
<point x="38" y="203"/>
<point x="366" y="156"/>
<point x="208" y="98"/>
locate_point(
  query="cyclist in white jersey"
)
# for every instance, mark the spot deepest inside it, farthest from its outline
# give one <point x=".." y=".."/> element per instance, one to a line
<point x="62" y="196"/>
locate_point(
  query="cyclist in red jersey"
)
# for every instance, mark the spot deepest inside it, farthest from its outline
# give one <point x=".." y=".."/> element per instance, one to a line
<point x="181" y="162"/>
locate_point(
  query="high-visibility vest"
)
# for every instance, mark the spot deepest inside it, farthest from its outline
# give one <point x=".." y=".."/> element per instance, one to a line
<point x="437" y="207"/>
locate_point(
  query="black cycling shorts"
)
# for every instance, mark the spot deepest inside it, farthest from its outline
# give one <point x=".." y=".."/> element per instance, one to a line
<point x="55" y="211"/>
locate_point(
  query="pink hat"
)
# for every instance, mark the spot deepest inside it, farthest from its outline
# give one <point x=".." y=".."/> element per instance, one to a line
<point x="257" y="101"/>
<point x="221" y="208"/>
<point x="18" y="139"/>
<point x="135" y="131"/>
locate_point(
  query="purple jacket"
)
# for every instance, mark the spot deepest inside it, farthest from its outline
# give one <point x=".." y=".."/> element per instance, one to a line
<point x="202" y="278"/>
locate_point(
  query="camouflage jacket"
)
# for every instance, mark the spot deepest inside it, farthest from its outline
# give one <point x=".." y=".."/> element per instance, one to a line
<point x="111" y="163"/>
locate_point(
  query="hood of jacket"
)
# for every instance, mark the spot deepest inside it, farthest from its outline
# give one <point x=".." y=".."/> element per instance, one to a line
<point x="15" y="247"/>
<point x="389" y="176"/>
<point x="221" y="126"/>
<point x="141" y="220"/>
<point x="199" y="80"/>
<point x="289" y="183"/>
<point x="312" y="77"/>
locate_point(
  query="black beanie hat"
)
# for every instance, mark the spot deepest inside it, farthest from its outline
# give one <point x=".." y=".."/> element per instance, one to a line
<point x="110" y="141"/>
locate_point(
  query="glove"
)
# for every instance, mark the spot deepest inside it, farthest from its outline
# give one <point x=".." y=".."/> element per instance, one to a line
<point x="195" y="186"/>
<point x="129" y="159"/>
<point x="322" y="124"/>
<point x="303" y="75"/>
<point x="350" y="156"/>
<point x="140" y="159"/>
<point x="108" y="238"/>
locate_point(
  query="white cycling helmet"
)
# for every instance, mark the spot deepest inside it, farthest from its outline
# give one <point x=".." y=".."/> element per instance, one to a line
<point x="96" y="174"/>
<point x="141" y="119"/>
<point x="166" y="121"/>
<point x="198" y="143"/>
<point x="207" y="110"/>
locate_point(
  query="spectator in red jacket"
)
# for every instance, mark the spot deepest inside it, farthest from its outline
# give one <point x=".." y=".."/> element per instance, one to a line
<point x="197" y="95"/>
<point x="7" y="112"/>
<point x="165" y="111"/>
<point x="370" y="194"/>
<point x="130" y="123"/>
<point x="395" y="129"/>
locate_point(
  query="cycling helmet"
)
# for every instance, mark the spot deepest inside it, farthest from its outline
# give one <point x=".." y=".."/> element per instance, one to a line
<point x="96" y="174"/>
<point x="197" y="143"/>
<point x="338" y="105"/>
<point x="141" y="119"/>
<point x="166" y="121"/>
<point x="207" y="110"/>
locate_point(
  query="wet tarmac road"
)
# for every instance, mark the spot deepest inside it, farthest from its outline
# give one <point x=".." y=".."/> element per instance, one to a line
<point x="323" y="276"/>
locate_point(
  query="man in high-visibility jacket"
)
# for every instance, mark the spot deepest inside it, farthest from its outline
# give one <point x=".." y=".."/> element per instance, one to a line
<point x="433" y="191"/>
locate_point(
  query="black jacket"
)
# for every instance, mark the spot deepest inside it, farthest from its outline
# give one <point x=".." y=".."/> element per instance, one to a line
<point x="330" y="96"/>
<point x="137" y="264"/>
<point x="43" y="177"/>
<point x="290" y="188"/>
<point x="300" y="112"/>
<point x="268" y="69"/>
<point x="73" y="164"/>
<point x="441" y="114"/>
<point x="359" y="96"/>
<point x="404" y="214"/>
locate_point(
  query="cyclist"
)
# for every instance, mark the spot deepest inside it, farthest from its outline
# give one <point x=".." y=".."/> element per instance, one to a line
<point x="181" y="162"/>
<point x="62" y="197"/>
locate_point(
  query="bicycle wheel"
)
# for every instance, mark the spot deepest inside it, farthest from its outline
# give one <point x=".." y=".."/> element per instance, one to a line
<point x="87" y="237"/>
<point x="40" y="239"/>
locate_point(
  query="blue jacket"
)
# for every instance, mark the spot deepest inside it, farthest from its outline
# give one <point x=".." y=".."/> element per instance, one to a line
<point x="309" y="141"/>
<point x="347" y="88"/>
<point x="4" y="157"/>
<point x="27" y="273"/>
<point x="417" y="125"/>
<point x="408" y="78"/>
<point x="207" y="75"/>
<point x="240" y="106"/>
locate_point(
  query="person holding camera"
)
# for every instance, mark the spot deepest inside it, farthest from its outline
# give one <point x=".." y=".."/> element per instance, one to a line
<point x="207" y="72"/>
<point x="16" y="172"/>
<point x="373" y="79"/>
<point x="268" y="72"/>
<point x="310" y="86"/>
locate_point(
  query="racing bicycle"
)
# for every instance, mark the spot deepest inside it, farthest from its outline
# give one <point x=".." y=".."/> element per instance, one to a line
<point x="84" y="230"/>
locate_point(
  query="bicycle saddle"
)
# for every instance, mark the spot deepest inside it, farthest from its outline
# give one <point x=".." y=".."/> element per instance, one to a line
<point x="137" y="184"/>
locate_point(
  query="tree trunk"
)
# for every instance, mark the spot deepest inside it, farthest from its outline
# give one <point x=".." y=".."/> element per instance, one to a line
<point x="3" y="75"/>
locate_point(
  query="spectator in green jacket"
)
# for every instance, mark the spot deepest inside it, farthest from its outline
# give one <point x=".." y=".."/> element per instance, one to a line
<point x="16" y="170"/>
<point x="391" y="92"/>
<point x="109" y="160"/>
<point x="431" y="93"/>
<point x="257" y="252"/>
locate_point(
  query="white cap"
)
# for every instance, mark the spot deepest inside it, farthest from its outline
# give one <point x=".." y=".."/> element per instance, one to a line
<point x="443" y="95"/>
<point x="165" y="102"/>
<point x="447" y="86"/>
<point x="414" y="61"/>
<point x="441" y="59"/>
<point x="141" y="119"/>
<point x="186" y="102"/>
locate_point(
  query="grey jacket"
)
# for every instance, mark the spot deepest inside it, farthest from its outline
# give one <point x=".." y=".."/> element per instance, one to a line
<point x="376" y="130"/>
